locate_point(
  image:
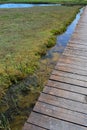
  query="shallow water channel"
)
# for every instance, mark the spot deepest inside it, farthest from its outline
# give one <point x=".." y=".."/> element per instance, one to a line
<point x="24" y="5"/>
<point x="63" y="39"/>
<point x="16" y="92"/>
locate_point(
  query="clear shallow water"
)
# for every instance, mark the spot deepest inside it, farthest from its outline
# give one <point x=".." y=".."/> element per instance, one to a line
<point x="63" y="39"/>
<point x="22" y="5"/>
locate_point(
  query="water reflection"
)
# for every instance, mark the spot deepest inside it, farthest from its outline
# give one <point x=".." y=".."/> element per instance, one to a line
<point x="22" y="5"/>
<point x="64" y="38"/>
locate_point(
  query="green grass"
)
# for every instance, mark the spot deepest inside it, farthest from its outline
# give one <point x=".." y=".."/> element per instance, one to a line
<point x="47" y="1"/>
<point x="25" y="35"/>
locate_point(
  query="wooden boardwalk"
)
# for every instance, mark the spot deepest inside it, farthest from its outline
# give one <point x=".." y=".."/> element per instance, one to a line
<point x="63" y="103"/>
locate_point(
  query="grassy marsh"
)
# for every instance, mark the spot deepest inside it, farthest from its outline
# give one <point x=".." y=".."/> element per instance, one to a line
<point x="25" y="35"/>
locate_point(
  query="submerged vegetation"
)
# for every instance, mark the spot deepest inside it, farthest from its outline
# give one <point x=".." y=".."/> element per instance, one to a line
<point x="25" y="36"/>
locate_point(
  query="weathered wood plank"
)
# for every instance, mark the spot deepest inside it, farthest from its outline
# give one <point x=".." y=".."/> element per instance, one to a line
<point x="77" y="49"/>
<point x="69" y="61"/>
<point x="61" y="113"/>
<point x="81" y="52"/>
<point x="29" y="126"/>
<point x="82" y="37"/>
<point x="70" y="75"/>
<point x="65" y="94"/>
<point x="71" y="69"/>
<point x="75" y="56"/>
<point x="51" y="123"/>
<point x="77" y="46"/>
<point x="64" y="103"/>
<point x="64" y="57"/>
<point x="79" y="39"/>
<point x="68" y="80"/>
<point x="74" y="52"/>
<point x="76" y="43"/>
<point x="74" y="66"/>
<point x="73" y="60"/>
<point x="69" y="87"/>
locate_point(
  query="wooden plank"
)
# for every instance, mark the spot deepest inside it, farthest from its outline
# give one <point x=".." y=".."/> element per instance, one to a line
<point x="81" y="52"/>
<point x="61" y="113"/>
<point x="69" y="87"/>
<point x="69" y="61"/>
<point x="74" y="52"/>
<point x="76" y="31"/>
<point x="77" y="47"/>
<point x="70" y="75"/>
<point x="68" y="80"/>
<point x="75" y="56"/>
<point x="80" y="37"/>
<point x="64" y="103"/>
<point x="67" y="68"/>
<point x="51" y="123"/>
<point x="65" y="94"/>
<point x="29" y="126"/>
<point x="77" y="43"/>
<point x="74" y="38"/>
<point x="71" y="45"/>
<point x="74" y="66"/>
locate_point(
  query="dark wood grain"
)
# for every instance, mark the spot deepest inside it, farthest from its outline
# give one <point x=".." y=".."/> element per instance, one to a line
<point x="61" y="113"/>
<point x="71" y="69"/>
<point x="69" y="87"/>
<point x="64" y="103"/>
<point x="72" y="66"/>
<point x="65" y="94"/>
<point x="68" y="80"/>
<point x="52" y="123"/>
<point x="70" y="75"/>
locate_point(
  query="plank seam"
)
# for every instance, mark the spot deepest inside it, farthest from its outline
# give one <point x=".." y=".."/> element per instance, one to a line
<point x="65" y="98"/>
<point x="65" y="90"/>
<point x="70" y="73"/>
<point x="37" y="125"/>
<point x="70" y="67"/>
<point x="67" y="83"/>
<point x="60" y="119"/>
<point x="63" y="107"/>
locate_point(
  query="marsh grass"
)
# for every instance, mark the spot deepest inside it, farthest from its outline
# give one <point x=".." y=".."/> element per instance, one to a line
<point x="25" y="36"/>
